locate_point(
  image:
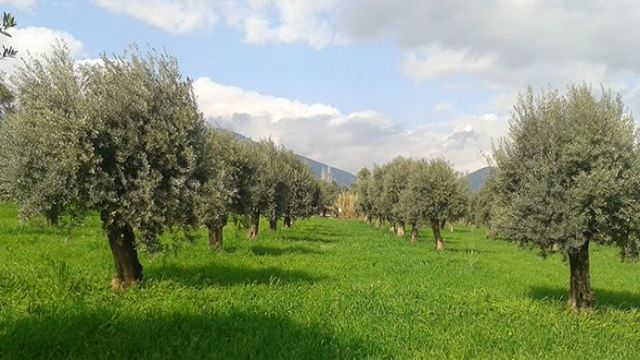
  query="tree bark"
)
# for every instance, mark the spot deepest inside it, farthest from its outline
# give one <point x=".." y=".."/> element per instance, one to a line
<point x="400" y="229"/>
<point x="125" y="256"/>
<point x="255" y="219"/>
<point x="287" y="222"/>
<point x="216" y="240"/>
<point x="580" y="294"/>
<point x="273" y="224"/>
<point x="435" y="226"/>
<point x="414" y="234"/>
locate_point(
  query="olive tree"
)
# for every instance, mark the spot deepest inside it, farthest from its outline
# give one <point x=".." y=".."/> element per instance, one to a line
<point x="433" y="194"/>
<point x="364" y="204"/>
<point x="270" y="189"/>
<point x="302" y="190"/>
<point x="568" y="175"/>
<point x="394" y="182"/>
<point x="121" y="138"/>
<point x="329" y="192"/>
<point x="227" y="175"/>
<point x="380" y="208"/>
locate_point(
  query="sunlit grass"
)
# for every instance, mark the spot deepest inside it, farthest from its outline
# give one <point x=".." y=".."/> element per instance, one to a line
<point x="325" y="288"/>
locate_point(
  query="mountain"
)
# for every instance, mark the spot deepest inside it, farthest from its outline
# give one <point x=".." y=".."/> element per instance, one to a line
<point x="477" y="178"/>
<point x="343" y="178"/>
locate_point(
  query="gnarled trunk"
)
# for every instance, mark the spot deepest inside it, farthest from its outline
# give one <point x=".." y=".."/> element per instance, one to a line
<point x="125" y="256"/>
<point x="216" y="240"/>
<point x="414" y="233"/>
<point x="580" y="294"/>
<point x="287" y="222"/>
<point x="400" y="229"/>
<point x="273" y="224"/>
<point x="435" y="226"/>
<point x="255" y="225"/>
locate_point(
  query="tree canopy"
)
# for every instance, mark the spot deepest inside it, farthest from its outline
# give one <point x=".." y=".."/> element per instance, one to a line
<point x="567" y="176"/>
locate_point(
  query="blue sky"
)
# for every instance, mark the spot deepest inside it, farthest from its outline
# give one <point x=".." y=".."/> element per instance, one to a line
<point x="357" y="82"/>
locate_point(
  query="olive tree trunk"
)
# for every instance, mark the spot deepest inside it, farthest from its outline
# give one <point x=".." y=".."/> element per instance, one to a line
<point x="122" y="241"/>
<point x="580" y="294"/>
<point x="255" y="225"/>
<point x="400" y="229"/>
<point x="273" y="224"/>
<point x="435" y="226"/>
<point x="414" y="233"/>
<point x="216" y="240"/>
<point x="287" y="222"/>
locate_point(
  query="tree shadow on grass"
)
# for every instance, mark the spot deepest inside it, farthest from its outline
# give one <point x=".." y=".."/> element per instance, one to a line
<point x="311" y="237"/>
<point x="468" y="251"/>
<point x="223" y="275"/>
<point x="274" y="251"/>
<point x="84" y="333"/>
<point x="605" y="299"/>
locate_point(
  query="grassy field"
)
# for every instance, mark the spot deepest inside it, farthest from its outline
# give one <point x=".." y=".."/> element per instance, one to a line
<point x="325" y="289"/>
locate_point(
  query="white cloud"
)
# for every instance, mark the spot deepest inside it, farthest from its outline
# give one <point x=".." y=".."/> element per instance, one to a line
<point x="434" y="62"/>
<point x="21" y="4"/>
<point x="506" y="44"/>
<point x="348" y="141"/>
<point x="443" y="107"/>
<point x="296" y="21"/>
<point x="261" y="21"/>
<point x="176" y="17"/>
<point x="35" y="41"/>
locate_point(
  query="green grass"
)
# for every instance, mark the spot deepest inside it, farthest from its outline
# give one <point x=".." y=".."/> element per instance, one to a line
<point x="325" y="289"/>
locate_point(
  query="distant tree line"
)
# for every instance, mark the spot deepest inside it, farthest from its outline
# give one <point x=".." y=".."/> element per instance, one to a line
<point x="414" y="193"/>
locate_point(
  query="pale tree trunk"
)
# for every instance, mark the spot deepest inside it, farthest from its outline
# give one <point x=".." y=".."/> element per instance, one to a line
<point x="255" y="225"/>
<point x="435" y="226"/>
<point x="414" y="233"/>
<point x="580" y="294"/>
<point x="286" y="222"/>
<point x="216" y="241"/>
<point x="125" y="256"/>
<point x="400" y="229"/>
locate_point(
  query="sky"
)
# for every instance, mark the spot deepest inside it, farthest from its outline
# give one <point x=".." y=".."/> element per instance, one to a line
<point x="355" y="83"/>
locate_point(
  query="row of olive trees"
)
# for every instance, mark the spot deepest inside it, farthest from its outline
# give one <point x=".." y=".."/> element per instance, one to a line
<point x="124" y="138"/>
<point x="415" y="193"/>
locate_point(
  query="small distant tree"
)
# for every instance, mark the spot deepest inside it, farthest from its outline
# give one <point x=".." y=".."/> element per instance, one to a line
<point x="568" y="175"/>
<point x="120" y="138"/>
<point x="380" y="207"/>
<point x="269" y="193"/>
<point x="434" y="190"/>
<point x="227" y="175"/>
<point x="329" y="192"/>
<point x="302" y="189"/>
<point x="394" y="182"/>
<point x="364" y="204"/>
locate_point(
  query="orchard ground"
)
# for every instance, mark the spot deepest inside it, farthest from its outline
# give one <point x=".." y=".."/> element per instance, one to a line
<point x="325" y="288"/>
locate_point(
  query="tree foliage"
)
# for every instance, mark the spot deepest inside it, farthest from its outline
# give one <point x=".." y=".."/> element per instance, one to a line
<point x="121" y="137"/>
<point x="568" y="175"/>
